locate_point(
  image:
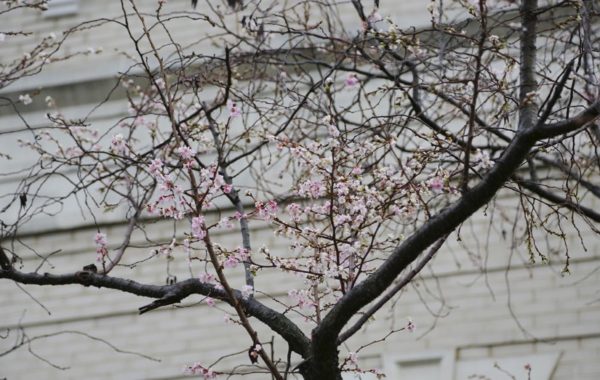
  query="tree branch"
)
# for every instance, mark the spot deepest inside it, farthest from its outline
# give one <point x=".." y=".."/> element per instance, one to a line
<point x="593" y="188"/>
<point x="325" y="335"/>
<point x="527" y="82"/>
<point x="558" y="200"/>
<point x="5" y="263"/>
<point x="569" y="125"/>
<point x="170" y="294"/>
<point x="111" y="263"/>
<point x="392" y="292"/>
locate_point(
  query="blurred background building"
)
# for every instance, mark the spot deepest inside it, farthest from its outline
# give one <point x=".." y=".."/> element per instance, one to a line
<point x="475" y="318"/>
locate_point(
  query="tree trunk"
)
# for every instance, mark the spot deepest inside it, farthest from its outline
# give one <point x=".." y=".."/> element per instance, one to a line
<point x="320" y="368"/>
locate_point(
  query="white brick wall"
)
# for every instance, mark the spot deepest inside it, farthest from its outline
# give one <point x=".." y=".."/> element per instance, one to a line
<point x="560" y="314"/>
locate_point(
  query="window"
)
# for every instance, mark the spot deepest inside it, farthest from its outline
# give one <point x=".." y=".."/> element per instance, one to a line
<point x="422" y="366"/>
<point x="541" y="366"/>
<point x="58" y="8"/>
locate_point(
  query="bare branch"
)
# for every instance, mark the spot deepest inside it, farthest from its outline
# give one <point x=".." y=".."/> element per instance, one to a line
<point x="170" y="294"/>
<point x="392" y="292"/>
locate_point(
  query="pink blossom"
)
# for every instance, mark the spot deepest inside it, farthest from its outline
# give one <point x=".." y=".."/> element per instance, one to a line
<point x="138" y="121"/>
<point x="198" y="230"/>
<point x="482" y="160"/>
<point x="73" y="152"/>
<point x="347" y="250"/>
<point x="351" y="80"/>
<point x="312" y="188"/>
<point x="267" y="211"/>
<point x="171" y="202"/>
<point x="100" y="239"/>
<point x="352" y="358"/>
<point x="186" y="153"/>
<point x="234" y="111"/>
<point x="436" y="184"/>
<point x="254" y="352"/>
<point x="242" y="254"/>
<point x="359" y="208"/>
<point x="406" y="213"/>
<point x="207" y="278"/>
<point x="333" y="131"/>
<point x="247" y="291"/>
<point x="231" y="262"/>
<point x="156" y="166"/>
<point x="166" y="183"/>
<point x="302" y="298"/>
<point x="118" y="144"/>
<point x="210" y="301"/>
<point x="341" y="189"/>
<point x="225" y="223"/>
<point x="227" y="188"/>
<point x="341" y="219"/>
<point x="101" y="246"/>
<point x="375" y="17"/>
<point x="198" y="369"/>
<point x="410" y="326"/>
<point x="160" y="83"/>
<point x="294" y="210"/>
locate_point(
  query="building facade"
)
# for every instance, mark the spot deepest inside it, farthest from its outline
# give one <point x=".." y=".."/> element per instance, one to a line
<point x="481" y="310"/>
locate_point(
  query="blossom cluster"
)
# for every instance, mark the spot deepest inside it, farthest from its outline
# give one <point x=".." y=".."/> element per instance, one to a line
<point x="171" y="201"/>
<point x="350" y="206"/>
<point x="101" y="246"/>
<point x="199" y="369"/>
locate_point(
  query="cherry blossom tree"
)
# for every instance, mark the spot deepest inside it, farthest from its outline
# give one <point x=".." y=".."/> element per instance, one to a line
<point x="364" y="145"/>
